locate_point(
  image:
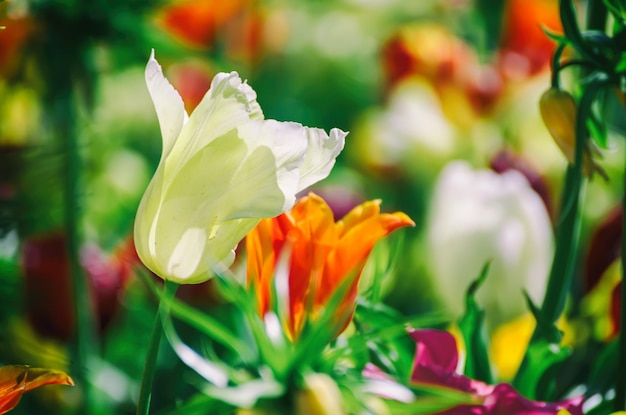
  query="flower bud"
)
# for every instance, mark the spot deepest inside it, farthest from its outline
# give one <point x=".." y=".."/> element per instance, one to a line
<point x="558" y="111"/>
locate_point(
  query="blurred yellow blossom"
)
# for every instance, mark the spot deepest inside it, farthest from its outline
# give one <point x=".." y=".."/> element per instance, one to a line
<point x="320" y="396"/>
<point x="509" y="342"/>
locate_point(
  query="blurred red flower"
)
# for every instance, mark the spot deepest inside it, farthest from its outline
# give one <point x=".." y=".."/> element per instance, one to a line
<point x="47" y="283"/>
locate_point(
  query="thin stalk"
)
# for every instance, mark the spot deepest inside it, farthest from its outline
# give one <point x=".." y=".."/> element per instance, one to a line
<point x="619" y="404"/>
<point x="597" y="15"/>
<point x="567" y="234"/>
<point x="149" y="369"/>
<point x="84" y="347"/>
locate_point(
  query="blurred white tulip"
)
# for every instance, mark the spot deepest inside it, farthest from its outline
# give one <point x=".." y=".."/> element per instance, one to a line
<point x="477" y="216"/>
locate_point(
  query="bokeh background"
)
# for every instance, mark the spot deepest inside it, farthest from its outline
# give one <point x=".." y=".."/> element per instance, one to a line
<point x="441" y="101"/>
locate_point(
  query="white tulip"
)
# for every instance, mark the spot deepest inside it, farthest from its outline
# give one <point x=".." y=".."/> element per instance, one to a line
<point x="477" y="216"/>
<point x="222" y="169"/>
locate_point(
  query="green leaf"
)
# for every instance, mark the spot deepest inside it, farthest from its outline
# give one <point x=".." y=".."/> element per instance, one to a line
<point x="546" y="330"/>
<point x="432" y="399"/>
<point x="598" y="131"/>
<point x="382" y="331"/>
<point x="247" y="394"/>
<point x="474" y="331"/>
<point x="572" y="32"/>
<point x="271" y="355"/>
<point x="555" y="36"/>
<point x="535" y="378"/>
<point x="199" y="404"/>
<point x="204" y="323"/>
<point x="602" y="375"/>
<point x="215" y="372"/>
<point x="617" y="8"/>
<point x="542" y="360"/>
<point x="621" y="64"/>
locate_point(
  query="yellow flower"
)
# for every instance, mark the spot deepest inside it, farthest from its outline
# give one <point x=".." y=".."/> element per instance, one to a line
<point x="222" y="169"/>
<point x="323" y="255"/>
<point x="510" y="340"/>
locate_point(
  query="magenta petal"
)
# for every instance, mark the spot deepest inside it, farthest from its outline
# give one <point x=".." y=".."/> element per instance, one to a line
<point x="506" y="400"/>
<point x="436" y="349"/>
<point x="436" y="358"/>
<point x="435" y="363"/>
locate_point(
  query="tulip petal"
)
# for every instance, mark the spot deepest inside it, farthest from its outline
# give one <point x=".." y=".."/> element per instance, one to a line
<point x="222" y="170"/>
<point x="228" y="104"/>
<point x="359" y="231"/>
<point x="215" y="190"/>
<point x="287" y="142"/>
<point x="435" y="363"/>
<point x="16" y="380"/>
<point x="187" y="254"/>
<point x="321" y="153"/>
<point x="167" y="103"/>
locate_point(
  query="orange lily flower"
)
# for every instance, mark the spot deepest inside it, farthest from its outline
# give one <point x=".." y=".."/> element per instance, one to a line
<point x="323" y="255"/>
<point x="15" y="380"/>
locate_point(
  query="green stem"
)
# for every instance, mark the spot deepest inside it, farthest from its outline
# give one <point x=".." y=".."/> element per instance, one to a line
<point x="597" y="15"/>
<point x="619" y="404"/>
<point x="567" y="234"/>
<point x="149" y="369"/>
<point x="63" y="111"/>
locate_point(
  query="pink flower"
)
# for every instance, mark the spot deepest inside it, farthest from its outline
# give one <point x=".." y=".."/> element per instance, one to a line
<point x="436" y="359"/>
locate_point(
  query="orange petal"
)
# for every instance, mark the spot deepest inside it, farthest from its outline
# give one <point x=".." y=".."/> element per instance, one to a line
<point x="361" y="235"/>
<point x="263" y="245"/>
<point x="315" y="219"/>
<point x="366" y="227"/>
<point x="15" y="380"/>
<point x="358" y="214"/>
<point x="313" y="238"/>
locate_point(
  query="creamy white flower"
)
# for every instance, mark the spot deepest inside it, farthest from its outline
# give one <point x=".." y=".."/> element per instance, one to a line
<point x="478" y="216"/>
<point x="222" y="169"/>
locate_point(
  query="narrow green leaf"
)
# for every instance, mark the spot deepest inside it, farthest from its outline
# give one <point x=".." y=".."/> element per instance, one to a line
<point x="545" y="329"/>
<point x="567" y="11"/>
<point x="246" y="300"/>
<point x="199" y="404"/>
<point x="203" y="322"/>
<point x="247" y="394"/>
<point x="474" y="331"/>
<point x="598" y="131"/>
<point x="621" y="64"/>
<point x="602" y="376"/>
<point x="432" y="399"/>
<point x="214" y="372"/>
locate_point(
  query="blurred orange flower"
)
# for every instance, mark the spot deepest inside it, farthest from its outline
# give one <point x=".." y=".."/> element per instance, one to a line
<point x="203" y="23"/>
<point x="15" y="380"/>
<point x="525" y="48"/>
<point x="323" y="255"/>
